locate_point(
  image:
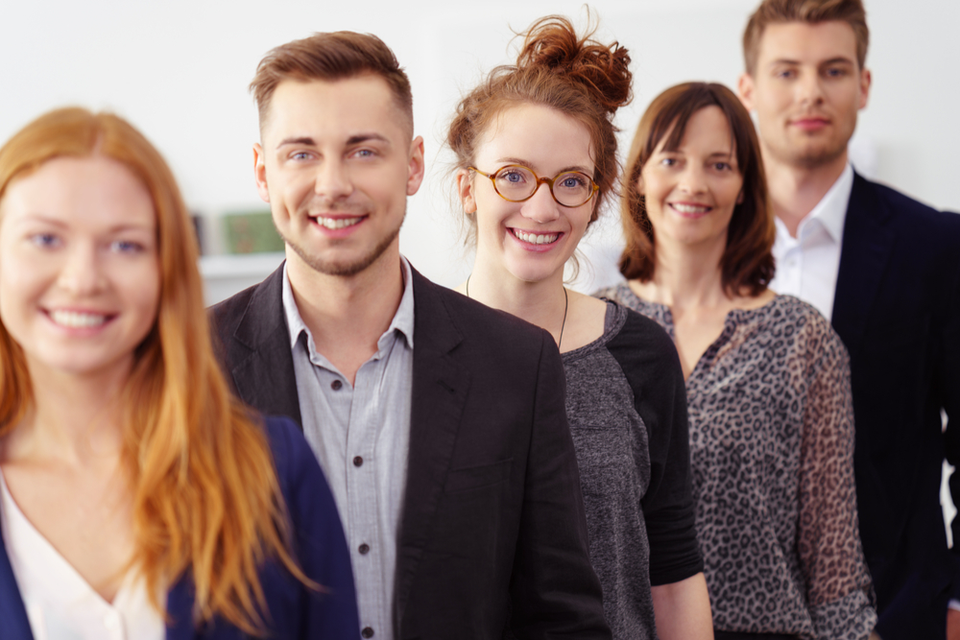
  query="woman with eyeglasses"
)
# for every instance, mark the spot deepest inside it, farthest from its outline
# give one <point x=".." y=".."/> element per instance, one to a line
<point x="536" y="158"/>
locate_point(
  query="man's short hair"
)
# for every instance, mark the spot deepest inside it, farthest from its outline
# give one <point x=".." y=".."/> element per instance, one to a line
<point x="331" y="56"/>
<point x="809" y="11"/>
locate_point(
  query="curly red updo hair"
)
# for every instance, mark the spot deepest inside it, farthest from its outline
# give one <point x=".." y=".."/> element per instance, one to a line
<point x="556" y="68"/>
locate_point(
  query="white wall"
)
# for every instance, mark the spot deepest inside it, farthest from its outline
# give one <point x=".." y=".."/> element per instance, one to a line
<point x="179" y="71"/>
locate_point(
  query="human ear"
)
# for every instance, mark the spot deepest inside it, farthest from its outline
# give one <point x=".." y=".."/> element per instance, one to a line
<point x="865" y="80"/>
<point x="745" y="88"/>
<point x="465" y="191"/>
<point x="640" y="184"/>
<point x="416" y="166"/>
<point x="260" y="172"/>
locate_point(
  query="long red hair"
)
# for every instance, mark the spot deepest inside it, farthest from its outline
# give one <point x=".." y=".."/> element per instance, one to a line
<point x="205" y="490"/>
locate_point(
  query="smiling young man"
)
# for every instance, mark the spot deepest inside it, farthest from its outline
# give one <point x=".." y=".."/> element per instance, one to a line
<point x="440" y="423"/>
<point x="884" y="269"/>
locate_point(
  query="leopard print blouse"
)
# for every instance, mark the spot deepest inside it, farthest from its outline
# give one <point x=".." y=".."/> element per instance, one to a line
<point x="771" y="440"/>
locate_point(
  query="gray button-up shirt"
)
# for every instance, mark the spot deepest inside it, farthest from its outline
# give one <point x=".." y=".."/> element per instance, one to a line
<point x="361" y="435"/>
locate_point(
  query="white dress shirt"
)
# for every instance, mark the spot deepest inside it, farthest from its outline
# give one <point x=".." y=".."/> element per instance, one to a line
<point x="360" y="435"/>
<point x="807" y="266"/>
<point x="60" y="604"/>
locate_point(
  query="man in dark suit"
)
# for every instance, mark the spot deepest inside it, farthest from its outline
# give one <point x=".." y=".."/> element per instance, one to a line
<point x="886" y="270"/>
<point x="440" y="423"/>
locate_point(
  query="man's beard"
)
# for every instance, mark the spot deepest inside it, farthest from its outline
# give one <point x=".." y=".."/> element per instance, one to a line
<point x="340" y="268"/>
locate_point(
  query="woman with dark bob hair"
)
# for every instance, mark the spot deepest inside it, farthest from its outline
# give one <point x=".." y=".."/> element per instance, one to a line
<point x="767" y="379"/>
<point x="138" y="498"/>
<point x="536" y="156"/>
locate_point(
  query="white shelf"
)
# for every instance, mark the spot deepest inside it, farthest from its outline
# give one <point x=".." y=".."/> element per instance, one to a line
<point x="225" y="275"/>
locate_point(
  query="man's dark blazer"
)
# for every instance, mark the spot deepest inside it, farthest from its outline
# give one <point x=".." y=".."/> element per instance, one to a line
<point x="492" y="534"/>
<point x="897" y="310"/>
<point x="296" y="613"/>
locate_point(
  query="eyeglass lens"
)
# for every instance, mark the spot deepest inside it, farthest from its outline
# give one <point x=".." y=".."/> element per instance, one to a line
<point x="570" y="189"/>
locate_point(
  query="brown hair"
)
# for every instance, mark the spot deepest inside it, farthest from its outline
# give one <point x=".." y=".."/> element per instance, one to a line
<point x="809" y="11"/>
<point x="747" y="263"/>
<point x="556" y="68"/>
<point x="331" y="56"/>
<point x="206" y="495"/>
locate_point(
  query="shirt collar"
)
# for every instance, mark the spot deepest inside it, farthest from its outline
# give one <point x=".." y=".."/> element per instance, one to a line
<point x="831" y="211"/>
<point x="402" y="319"/>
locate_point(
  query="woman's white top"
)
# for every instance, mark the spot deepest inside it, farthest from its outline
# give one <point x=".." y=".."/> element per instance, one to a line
<point x="60" y="604"/>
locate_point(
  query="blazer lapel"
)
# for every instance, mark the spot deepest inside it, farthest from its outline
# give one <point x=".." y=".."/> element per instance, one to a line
<point x="867" y="239"/>
<point x="265" y="378"/>
<point x="440" y="386"/>
<point x="13" y="615"/>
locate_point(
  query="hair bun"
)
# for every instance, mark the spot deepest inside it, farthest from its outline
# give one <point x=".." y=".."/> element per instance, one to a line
<point x="603" y="70"/>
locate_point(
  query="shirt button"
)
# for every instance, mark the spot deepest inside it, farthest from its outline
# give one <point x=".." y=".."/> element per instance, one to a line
<point x="336" y="385"/>
<point x="367" y="632"/>
<point x="357" y="461"/>
<point x="364" y="549"/>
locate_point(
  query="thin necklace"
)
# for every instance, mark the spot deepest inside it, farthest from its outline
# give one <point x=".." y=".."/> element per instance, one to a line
<point x="566" y="305"/>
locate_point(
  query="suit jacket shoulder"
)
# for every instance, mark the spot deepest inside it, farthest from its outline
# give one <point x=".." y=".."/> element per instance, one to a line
<point x="896" y="310"/>
<point x="253" y="343"/>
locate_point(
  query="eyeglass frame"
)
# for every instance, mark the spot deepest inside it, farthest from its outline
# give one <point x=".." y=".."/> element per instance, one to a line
<point x="549" y="182"/>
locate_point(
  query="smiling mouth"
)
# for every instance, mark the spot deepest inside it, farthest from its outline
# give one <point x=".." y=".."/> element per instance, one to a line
<point x="77" y="319"/>
<point x="337" y="223"/>
<point x="690" y="209"/>
<point x="536" y="238"/>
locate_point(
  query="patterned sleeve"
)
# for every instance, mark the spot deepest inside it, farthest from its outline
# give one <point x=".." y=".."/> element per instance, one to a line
<point x="839" y="590"/>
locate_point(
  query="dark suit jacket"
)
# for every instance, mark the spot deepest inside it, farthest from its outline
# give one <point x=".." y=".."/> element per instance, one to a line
<point x="295" y="612"/>
<point x="492" y="533"/>
<point x="897" y="310"/>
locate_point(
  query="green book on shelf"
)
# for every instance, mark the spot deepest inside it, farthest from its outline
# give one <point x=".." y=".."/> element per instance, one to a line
<point x="250" y="232"/>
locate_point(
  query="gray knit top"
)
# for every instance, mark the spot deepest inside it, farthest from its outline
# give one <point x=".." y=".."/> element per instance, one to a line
<point x="627" y="410"/>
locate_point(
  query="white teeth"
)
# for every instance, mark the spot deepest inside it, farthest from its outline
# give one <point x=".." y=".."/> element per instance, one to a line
<point x="77" y="320"/>
<point x="689" y="208"/>
<point x="534" y="238"/>
<point x="337" y="223"/>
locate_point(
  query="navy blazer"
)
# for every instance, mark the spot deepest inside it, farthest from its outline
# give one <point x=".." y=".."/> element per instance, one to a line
<point x="295" y="612"/>
<point x="492" y="533"/>
<point x="897" y="310"/>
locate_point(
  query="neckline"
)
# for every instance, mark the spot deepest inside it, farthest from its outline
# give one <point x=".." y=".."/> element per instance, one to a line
<point x="566" y="307"/>
<point x="613" y="321"/>
<point x="730" y="316"/>
<point x="53" y="566"/>
<point x="733" y="319"/>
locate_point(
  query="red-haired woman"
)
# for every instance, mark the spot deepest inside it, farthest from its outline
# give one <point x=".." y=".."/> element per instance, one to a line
<point x="138" y="499"/>
<point x="536" y="153"/>
<point x="768" y="381"/>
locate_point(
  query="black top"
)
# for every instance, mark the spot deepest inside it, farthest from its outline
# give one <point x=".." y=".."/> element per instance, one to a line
<point x="627" y="410"/>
